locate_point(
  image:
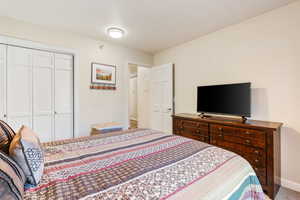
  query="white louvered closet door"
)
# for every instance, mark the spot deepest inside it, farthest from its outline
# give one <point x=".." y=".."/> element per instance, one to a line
<point x="2" y="82"/>
<point x="19" y="87"/>
<point x="43" y="95"/>
<point x="63" y="96"/>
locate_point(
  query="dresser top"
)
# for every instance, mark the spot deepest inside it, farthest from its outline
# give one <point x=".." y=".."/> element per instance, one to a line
<point x="232" y="121"/>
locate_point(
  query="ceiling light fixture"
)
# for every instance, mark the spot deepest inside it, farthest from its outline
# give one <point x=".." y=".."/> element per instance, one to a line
<point x="115" y="32"/>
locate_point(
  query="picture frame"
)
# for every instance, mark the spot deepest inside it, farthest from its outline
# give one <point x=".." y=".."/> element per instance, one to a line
<point x="103" y="74"/>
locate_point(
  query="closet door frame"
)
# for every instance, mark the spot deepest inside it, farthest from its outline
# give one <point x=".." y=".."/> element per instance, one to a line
<point x="5" y="40"/>
<point x="3" y="68"/>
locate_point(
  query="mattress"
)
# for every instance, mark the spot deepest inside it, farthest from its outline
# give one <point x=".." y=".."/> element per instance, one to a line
<point x="143" y="164"/>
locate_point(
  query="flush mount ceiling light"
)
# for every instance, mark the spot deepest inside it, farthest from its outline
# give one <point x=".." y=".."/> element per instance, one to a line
<point x="115" y="32"/>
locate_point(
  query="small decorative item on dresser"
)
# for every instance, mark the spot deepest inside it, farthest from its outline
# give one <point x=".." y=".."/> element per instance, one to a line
<point x="106" y="128"/>
<point x="103" y="77"/>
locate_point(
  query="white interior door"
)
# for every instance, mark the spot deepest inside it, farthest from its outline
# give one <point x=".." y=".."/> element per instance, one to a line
<point x="143" y="95"/>
<point x="63" y="96"/>
<point x="2" y="82"/>
<point x="43" y="95"/>
<point x="161" y="98"/>
<point x="19" y="87"/>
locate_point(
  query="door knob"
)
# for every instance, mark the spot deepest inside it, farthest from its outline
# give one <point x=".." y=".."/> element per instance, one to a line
<point x="4" y="115"/>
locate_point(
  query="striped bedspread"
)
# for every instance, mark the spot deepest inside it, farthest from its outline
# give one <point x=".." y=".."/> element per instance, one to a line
<point x="143" y="164"/>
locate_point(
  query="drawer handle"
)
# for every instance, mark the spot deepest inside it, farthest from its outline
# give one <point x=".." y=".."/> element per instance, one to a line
<point x="248" y="141"/>
<point x="257" y="152"/>
<point x="220" y="129"/>
<point x="220" y="135"/>
<point x="255" y="168"/>
<point x="256" y="160"/>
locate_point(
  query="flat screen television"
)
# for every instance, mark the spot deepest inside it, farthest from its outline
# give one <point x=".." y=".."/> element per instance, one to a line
<point x="229" y="99"/>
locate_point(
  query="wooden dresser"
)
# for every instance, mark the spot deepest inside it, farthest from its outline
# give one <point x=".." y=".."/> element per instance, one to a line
<point x="256" y="141"/>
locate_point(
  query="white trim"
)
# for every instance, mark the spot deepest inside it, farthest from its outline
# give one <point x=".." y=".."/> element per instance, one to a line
<point x="4" y="63"/>
<point x="34" y="45"/>
<point x="290" y="184"/>
<point x="39" y="46"/>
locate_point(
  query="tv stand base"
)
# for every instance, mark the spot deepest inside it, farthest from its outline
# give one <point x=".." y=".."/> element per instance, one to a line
<point x="242" y="119"/>
<point x="202" y="115"/>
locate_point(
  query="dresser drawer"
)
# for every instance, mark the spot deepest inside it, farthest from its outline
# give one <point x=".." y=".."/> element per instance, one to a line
<point x="194" y="131"/>
<point x="255" y="160"/>
<point x="177" y="123"/>
<point x="238" y="135"/>
<point x="194" y="124"/>
<point x="194" y="136"/>
<point x="255" y="156"/>
<point x="240" y="132"/>
<point x="180" y="124"/>
<point x="237" y="148"/>
<point x="191" y="127"/>
<point x="249" y="133"/>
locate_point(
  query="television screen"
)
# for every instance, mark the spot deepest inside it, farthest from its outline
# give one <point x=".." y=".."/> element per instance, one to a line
<point x="231" y="99"/>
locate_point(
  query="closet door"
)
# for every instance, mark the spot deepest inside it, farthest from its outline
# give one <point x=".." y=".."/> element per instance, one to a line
<point x="63" y="96"/>
<point x="43" y="95"/>
<point x="2" y="82"/>
<point x="19" y="87"/>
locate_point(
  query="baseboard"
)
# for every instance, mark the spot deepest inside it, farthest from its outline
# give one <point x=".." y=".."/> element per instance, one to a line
<point x="290" y="184"/>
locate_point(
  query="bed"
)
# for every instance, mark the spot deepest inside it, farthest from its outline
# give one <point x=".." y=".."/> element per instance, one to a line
<point x="143" y="164"/>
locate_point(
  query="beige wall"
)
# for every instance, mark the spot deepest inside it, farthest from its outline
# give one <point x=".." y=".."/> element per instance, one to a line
<point x="265" y="51"/>
<point x="94" y="105"/>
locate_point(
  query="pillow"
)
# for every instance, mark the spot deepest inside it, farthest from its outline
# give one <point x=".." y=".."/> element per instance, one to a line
<point x="12" y="179"/>
<point x="26" y="150"/>
<point x="6" y="136"/>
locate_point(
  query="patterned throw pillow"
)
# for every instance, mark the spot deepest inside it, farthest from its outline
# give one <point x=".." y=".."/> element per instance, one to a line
<point x="12" y="179"/>
<point x="26" y="150"/>
<point x="6" y="136"/>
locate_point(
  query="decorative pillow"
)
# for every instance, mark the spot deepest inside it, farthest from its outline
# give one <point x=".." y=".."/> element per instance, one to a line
<point x="12" y="179"/>
<point x="6" y="136"/>
<point x="26" y="150"/>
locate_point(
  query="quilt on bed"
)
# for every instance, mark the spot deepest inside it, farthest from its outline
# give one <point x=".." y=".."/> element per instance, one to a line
<point x="143" y="164"/>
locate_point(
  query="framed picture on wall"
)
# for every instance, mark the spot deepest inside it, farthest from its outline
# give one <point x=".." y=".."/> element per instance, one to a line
<point x="103" y="74"/>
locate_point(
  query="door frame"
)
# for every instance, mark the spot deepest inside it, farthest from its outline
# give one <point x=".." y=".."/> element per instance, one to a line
<point x="12" y="41"/>
<point x="126" y="89"/>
